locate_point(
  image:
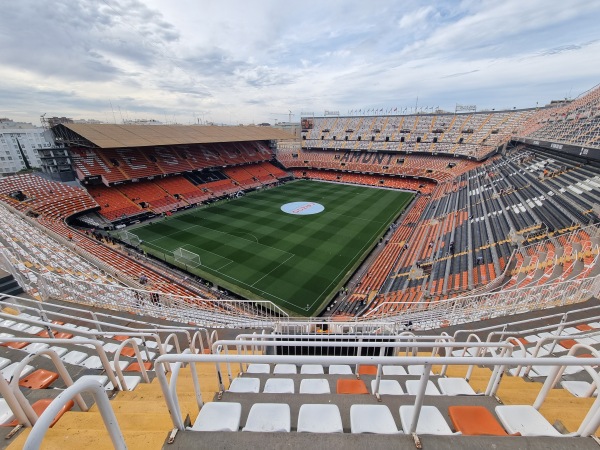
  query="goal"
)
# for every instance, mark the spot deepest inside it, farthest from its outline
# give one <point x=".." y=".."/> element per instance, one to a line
<point x="186" y="257"/>
<point x="130" y="238"/>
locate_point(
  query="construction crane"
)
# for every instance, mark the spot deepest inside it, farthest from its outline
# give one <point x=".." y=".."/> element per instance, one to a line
<point x="289" y="114"/>
<point x="44" y="122"/>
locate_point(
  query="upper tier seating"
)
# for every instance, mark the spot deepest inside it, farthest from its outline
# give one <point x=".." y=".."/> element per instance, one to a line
<point x="491" y="408"/>
<point x="576" y="122"/>
<point x="32" y="251"/>
<point x="119" y="357"/>
<point x="132" y="164"/>
<point x="469" y="134"/>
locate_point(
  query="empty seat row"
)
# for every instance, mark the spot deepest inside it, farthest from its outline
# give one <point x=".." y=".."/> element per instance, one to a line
<point x="378" y="419"/>
<point x="334" y="369"/>
<point x="447" y="386"/>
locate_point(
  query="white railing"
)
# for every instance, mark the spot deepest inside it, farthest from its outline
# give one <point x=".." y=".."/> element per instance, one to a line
<point x="111" y="322"/>
<point x="246" y="313"/>
<point x="91" y="337"/>
<point x="497" y="363"/>
<point x="39" y="317"/>
<point x="204" y="312"/>
<point x="26" y="283"/>
<point x="97" y="266"/>
<point x="501" y="359"/>
<point x="93" y="342"/>
<point x="15" y="406"/>
<point x="461" y="310"/>
<point x="36" y="436"/>
<point x="561" y="321"/>
<point x="23" y="402"/>
<point x="407" y="342"/>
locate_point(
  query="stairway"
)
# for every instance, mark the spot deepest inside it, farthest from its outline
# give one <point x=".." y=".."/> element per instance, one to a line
<point x="8" y="285"/>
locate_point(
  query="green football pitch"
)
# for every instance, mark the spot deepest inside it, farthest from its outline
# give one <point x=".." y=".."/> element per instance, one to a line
<point x="250" y="246"/>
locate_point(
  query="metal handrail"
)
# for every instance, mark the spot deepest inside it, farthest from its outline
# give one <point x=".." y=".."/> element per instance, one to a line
<point x="170" y="395"/>
<point x="94" y="387"/>
<point x="132" y="332"/>
<point x="468" y="309"/>
<point x="198" y="337"/>
<point x="52" y="341"/>
<point x="572" y="351"/>
<point x="12" y="402"/>
<point x="39" y="308"/>
<point x="554" y="339"/>
<point x="60" y="368"/>
<point x="222" y="347"/>
<point x="138" y="357"/>
<point x="557" y="327"/>
<point x="563" y="317"/>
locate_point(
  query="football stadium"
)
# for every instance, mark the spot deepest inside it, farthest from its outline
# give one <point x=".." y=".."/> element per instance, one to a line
<point x="376" y="265"/>
<point x="385" y="279"/>
<point x="290" y="257"/>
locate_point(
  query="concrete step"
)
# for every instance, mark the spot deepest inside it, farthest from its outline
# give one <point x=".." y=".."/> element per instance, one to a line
<point x="78" y="438"/>
<point x="157" y="407"/>
<point x="127" y="421"/>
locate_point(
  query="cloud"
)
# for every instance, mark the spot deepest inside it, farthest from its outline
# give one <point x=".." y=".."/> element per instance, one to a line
<point x="416" y="18"/>
<point x="151" y="57"/>
<point x="460" y="74"/>
<point x="83" y="40"/>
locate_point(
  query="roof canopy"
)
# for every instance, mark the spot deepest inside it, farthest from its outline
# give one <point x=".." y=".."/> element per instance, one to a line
<point x="117" y="136"/>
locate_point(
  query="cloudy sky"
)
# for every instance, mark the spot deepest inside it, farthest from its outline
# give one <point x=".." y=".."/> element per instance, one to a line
<point x="244" y="61"/>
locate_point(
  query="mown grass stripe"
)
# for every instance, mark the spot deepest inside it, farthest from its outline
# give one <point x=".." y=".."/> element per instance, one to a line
<point x="292" y="260"/>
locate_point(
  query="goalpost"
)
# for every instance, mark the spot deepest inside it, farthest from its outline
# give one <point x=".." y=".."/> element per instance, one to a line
<point x="130" y="238"/>
<point x="186" y="257"/>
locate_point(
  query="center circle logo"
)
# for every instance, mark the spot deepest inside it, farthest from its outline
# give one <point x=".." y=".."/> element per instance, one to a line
<point x="302" y="208"/>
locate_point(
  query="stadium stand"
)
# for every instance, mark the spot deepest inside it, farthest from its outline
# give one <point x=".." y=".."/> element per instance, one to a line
<point x="423" y="186"/>
<point x="468" y="134"/>
<point x="40" y="196"/>
<point x="115" y="165"/>
<point x="186" y="190"/>
<point x="94" y="244"/>
<point x="114" y="203"/>
<point x="474" y="324"/>
<point x="437" y="169"/>
<point x="357" y="395"/>
<point x="174" y="192"/>
<point x="133" y="179"/>
<point x="576" y="122"/>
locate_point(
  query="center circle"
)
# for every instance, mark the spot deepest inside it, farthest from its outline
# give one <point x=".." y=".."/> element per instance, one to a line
<point x="302" y="208"/>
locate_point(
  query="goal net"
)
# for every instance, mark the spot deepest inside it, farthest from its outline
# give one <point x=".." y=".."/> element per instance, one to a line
<point x="186" y="257"/>
<point x="130" y="238"/>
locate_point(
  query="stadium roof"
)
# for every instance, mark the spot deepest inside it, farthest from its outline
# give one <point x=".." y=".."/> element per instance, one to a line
<point x="117" y="136"/>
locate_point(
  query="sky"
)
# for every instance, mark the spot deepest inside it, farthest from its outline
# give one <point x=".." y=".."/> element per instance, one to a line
<point x="255" y="61"/>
